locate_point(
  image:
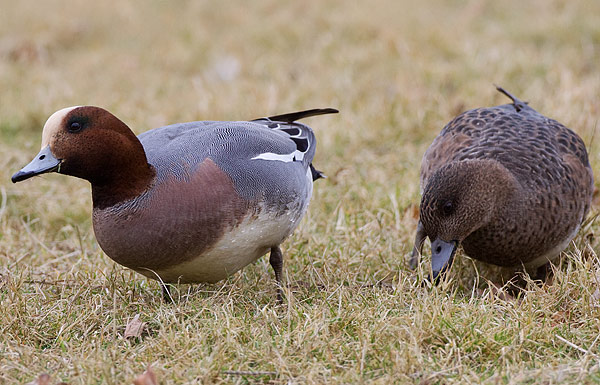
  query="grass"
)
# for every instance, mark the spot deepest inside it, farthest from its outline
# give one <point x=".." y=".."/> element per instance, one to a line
<point x="355" y="313"/>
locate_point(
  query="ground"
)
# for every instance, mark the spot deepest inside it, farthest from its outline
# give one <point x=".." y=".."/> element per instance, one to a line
<point x="354" y="312"/>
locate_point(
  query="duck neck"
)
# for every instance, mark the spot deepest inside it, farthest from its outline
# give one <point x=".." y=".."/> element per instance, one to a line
<point x="504" y="191"/>
<point x="127" y="174"/>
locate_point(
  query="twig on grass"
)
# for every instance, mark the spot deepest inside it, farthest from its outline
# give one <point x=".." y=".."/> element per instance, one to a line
<point x="248" y="373"/>
<point x="569" y="343"/>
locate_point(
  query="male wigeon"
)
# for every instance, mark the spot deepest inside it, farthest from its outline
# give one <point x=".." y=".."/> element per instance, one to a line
<point x="190" y="202"/>
<point x="508" y="184"/>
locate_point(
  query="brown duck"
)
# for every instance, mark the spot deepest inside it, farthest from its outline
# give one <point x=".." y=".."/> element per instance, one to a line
<point x="507" y="183"/>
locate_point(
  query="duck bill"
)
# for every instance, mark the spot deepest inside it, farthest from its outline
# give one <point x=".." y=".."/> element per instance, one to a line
<point x="43" y="162"/>
<point x="442" y="255"/>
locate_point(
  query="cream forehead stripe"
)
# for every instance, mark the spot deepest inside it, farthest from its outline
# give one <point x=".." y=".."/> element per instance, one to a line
<point x="53" y="124"/>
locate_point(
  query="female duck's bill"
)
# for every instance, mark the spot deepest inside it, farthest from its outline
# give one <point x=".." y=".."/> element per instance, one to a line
<point x="507" y="184"/>
<point x="442" y="255"/>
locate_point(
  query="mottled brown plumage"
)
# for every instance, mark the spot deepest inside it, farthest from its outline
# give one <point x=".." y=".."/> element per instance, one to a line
<point x="507" y="183"/>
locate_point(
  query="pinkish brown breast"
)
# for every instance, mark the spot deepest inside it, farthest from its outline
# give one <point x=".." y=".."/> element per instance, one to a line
<point x="173" y="222"/>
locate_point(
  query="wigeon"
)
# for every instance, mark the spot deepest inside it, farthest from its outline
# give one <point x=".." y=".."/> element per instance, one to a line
<point x="189" y="202"/>
<point x="508" y="184"/>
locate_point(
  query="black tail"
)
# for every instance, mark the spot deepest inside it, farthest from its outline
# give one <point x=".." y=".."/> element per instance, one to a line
<point x="293" y="116"/>
<point x="518" y="103"/>
<point x="316" y="174"/>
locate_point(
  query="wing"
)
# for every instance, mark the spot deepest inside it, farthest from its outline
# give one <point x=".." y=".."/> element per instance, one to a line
<point x="505" y="133"/>
<point x="263" y="156"/>
<point x="301" y="134"/>
<point x="535" y="149"/>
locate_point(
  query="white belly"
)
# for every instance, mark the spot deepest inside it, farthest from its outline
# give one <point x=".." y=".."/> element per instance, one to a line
<point x="243" y="245"/>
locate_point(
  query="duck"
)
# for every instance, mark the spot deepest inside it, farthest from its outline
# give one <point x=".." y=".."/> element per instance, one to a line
<point x="507" y="184"/>
<point x="190" y="202"/>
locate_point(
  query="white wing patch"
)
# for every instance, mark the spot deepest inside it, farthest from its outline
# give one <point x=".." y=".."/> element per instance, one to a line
<point x="294" y="156"/>
<point x="294" y="133"/>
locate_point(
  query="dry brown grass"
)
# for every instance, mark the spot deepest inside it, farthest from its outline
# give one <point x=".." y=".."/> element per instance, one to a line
<point x="398" y="72"/>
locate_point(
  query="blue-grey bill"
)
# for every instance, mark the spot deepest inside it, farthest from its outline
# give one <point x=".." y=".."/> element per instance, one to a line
<point x="442" y="254"/>
<point x="43" y="162"/>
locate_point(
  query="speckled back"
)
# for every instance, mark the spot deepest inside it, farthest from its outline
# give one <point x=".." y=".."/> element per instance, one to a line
<point x="548" y="160"/>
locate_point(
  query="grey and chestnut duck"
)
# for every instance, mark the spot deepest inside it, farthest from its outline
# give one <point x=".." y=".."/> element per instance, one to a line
<point x="190" y="202"/>
<point x="508" y="184"/>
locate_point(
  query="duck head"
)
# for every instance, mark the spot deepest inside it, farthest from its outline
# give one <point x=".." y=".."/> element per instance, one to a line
<point x="460" y="198"/>
<point x="91" y="143"/>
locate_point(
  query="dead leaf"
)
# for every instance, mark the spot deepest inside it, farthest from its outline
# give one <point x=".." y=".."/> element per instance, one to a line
<point x="146" y="378"/>
<point x="501" y="293"/>
<point x="496" y="291"/>
<point x="43" y="379"/>
<point x="135" y="327"/>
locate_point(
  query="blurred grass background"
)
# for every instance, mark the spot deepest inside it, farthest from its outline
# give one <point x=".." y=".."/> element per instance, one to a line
<point x="397" y="71"/>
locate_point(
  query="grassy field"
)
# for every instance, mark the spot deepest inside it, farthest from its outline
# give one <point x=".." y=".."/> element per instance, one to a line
<point x="355" y="313"/>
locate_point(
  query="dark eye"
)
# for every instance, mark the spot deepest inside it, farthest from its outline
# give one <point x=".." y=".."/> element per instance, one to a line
<point x="448" y="208"/>
<point x="75" y="126"/>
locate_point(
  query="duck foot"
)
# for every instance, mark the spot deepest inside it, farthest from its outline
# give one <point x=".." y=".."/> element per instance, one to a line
<point x="517" y="285"/>
<point x="543" y="273"/>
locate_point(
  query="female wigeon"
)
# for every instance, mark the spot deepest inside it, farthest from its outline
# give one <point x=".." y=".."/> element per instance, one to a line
<point x="190" y="202"/>
<point x="507" y="183"/>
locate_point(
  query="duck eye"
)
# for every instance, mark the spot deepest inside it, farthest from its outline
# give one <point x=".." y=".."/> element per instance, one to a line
<point x="448" y="208"/>
<point x="74" y="127"/>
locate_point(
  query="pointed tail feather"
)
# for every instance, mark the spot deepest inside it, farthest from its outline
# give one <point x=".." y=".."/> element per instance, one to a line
<point x="294" y="116"/>
<point x="518" y="103"/>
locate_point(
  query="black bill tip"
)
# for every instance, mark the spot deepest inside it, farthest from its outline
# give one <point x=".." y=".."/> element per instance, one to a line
<point x="22" y="175"/>
<point x="44" y="162"/>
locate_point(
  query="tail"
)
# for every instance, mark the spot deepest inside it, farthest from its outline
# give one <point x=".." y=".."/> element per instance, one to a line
<point x="518" y="103"/>
<point x="301" y="142"/>
<point x="316" y="174"/>
<point x="294" y="116"/>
